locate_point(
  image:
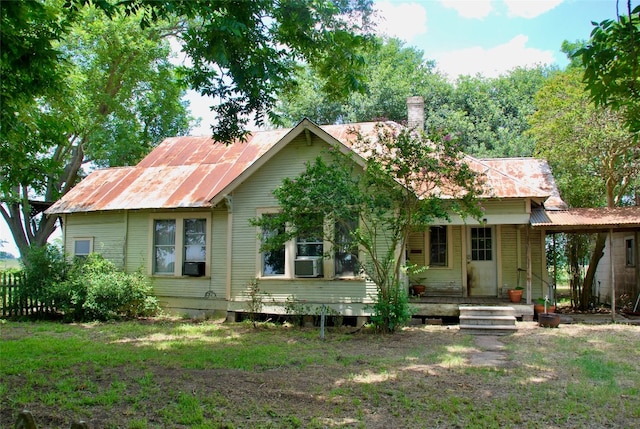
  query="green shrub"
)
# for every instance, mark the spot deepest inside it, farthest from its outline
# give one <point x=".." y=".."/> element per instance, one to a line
<point x="43" y="268"/>
<point x="97" y="290"/>
<point x="391" y="310"/>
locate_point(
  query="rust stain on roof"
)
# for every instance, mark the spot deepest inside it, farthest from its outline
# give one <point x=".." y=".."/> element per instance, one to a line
<point x="193" y="171"/>
<point x="619" y="217"/>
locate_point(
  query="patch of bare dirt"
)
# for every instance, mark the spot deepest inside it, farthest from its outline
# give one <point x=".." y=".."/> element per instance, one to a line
<point x="424" y="376"/>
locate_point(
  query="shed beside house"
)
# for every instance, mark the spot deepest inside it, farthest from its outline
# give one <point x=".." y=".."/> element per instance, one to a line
<point x="182" y="214"/>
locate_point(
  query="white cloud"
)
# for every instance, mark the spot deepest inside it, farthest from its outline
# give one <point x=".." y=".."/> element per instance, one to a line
<point x="477" y="9"/>
<point x="530" y="8"/>
<point x="404" y="21"/>
<point x="494" y="61"/>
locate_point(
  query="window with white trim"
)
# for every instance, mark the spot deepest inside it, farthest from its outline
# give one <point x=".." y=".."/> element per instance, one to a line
<point x="430" y="248"/>
<point x="164" y="246"/>
<point x="180" y="245"/>
<point x="82" y="247"/>
<point x="273" y="261"/>
<point x="438" y="248"/>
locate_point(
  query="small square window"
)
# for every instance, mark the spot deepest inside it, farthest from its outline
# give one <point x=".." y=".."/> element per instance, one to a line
<point x="82" y="247"/>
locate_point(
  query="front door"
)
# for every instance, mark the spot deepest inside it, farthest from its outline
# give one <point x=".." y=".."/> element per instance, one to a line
<point x="481" y="262"/>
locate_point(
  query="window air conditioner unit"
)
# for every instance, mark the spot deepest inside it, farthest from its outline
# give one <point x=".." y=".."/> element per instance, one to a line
<point x="194" y="269"/>
<point x="308" y="267"/>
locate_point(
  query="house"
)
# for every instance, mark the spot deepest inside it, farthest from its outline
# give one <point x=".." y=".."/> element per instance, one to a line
<point x="182" y="215"/>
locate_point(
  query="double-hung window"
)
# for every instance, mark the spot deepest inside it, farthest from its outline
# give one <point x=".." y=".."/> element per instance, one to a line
<point x="438" y="246"/>
<point x="346" y="254"/>
<point x="273" y="261"/>
<point x="180" y="245"/>
<point x="431" y="247"/>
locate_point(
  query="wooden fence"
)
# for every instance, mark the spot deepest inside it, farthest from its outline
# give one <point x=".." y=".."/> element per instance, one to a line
<point x="17" y="301"/>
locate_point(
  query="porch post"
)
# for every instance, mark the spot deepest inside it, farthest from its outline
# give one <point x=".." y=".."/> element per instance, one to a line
<point x="613" y="277"/>
<point x="529" y="267"/>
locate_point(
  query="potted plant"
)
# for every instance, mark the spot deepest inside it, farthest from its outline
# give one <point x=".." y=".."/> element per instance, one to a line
<point x="416" y="288"/>
<point x="539" y="306"/>
<point x="515" y="295"/>
<point x="548" y="320"/>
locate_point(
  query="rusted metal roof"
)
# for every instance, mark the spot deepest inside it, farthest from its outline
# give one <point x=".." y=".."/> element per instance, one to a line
<point x="530" y="172"/>
<point x="196" y="172"/>
<point x="587" y="219"/>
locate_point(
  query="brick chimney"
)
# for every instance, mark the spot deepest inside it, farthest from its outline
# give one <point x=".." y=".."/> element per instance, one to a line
<point x="415" y="112"/>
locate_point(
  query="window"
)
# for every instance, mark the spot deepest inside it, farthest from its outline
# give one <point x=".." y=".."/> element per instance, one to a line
<point x="346" y="254"/>
<point x="82" y="247"/>
<point x="180" y="245"/>
<point x="481" y="244"/>
<point x="164" y="239"/>
<point x="273" y="261"/>
<point x="195" y="240"/>
<point x="438" y="246"/>
<point x="629" y="245"/>
<point x="310" y="242"/>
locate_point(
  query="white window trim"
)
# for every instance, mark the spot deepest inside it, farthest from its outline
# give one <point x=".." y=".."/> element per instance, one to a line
<point x="288" y="248"/>
<point x="427" y="249"/>
<point x="290" y="251"/>
<point x="76" y="239"/>
<point x="179" y="244"/>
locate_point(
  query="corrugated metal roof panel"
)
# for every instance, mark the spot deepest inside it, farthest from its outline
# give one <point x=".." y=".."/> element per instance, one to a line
<point x="193" y="171"/>
<point x="583" y="217"/>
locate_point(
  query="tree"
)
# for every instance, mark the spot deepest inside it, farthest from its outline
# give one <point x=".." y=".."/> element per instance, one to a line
<point x="120" y="96"/>
<point x="611" y="61"/>
<point x="595" y="159"/>
<point x="244" y="52"/>
<point x="392" y="73"/>
<point x="489" y="115"/>
<point x="395" y="188"/>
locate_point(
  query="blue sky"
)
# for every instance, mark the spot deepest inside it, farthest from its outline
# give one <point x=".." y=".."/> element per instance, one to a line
<point x="492" y="36"/>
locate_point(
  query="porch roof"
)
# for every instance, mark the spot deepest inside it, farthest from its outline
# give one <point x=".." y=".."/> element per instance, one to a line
<point x="587" y="220"/>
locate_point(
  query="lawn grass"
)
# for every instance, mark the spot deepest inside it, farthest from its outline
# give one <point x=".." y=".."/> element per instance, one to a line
<point x="184" y="374"/>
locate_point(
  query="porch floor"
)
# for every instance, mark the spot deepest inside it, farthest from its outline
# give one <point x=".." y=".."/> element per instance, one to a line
<point x="447" y="306"/>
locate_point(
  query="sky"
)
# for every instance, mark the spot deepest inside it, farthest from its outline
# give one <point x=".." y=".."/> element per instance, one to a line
<point x="468" y="37"/>
<point x="488" y="37"/>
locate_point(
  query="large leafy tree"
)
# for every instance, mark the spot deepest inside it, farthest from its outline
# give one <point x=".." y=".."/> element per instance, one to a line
<point x="595" y="159"/>
<point x="119" y="95"/>
<point x="245" y="52"/>
<point x="489" y="115"/>
<point x="392" y="73"/>
<point x="611" y="59"/>
<point x="395" y="188"/>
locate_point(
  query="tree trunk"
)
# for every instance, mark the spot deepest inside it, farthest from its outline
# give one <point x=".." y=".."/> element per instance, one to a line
<point x="587" y="287"/>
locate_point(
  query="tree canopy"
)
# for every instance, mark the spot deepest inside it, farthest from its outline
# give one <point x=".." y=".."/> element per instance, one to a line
<point x="118" y="97"/>
<point x="489" y="115"/>
<point x="611" y="61"/>
<point x="245" y="52"/>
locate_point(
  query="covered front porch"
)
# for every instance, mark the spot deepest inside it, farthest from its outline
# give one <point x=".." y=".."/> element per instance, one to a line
<point x="446" y="306"/>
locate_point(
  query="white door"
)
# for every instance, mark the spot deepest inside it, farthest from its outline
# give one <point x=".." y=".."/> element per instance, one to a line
<point x="481" y="261"/>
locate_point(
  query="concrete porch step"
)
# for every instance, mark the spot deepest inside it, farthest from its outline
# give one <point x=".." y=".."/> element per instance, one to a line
<point x="487" y="319"/>
<point x="488" y="329"/>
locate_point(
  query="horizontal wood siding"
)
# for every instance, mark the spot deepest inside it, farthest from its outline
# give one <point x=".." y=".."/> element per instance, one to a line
<point x="255" y="194"/>
<point x="504" y="207"/>
<point x="510" y="258"/>
<point x="449" y="278"/>
<point x="138" y="241"/>
<point x="107" y="230"/>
